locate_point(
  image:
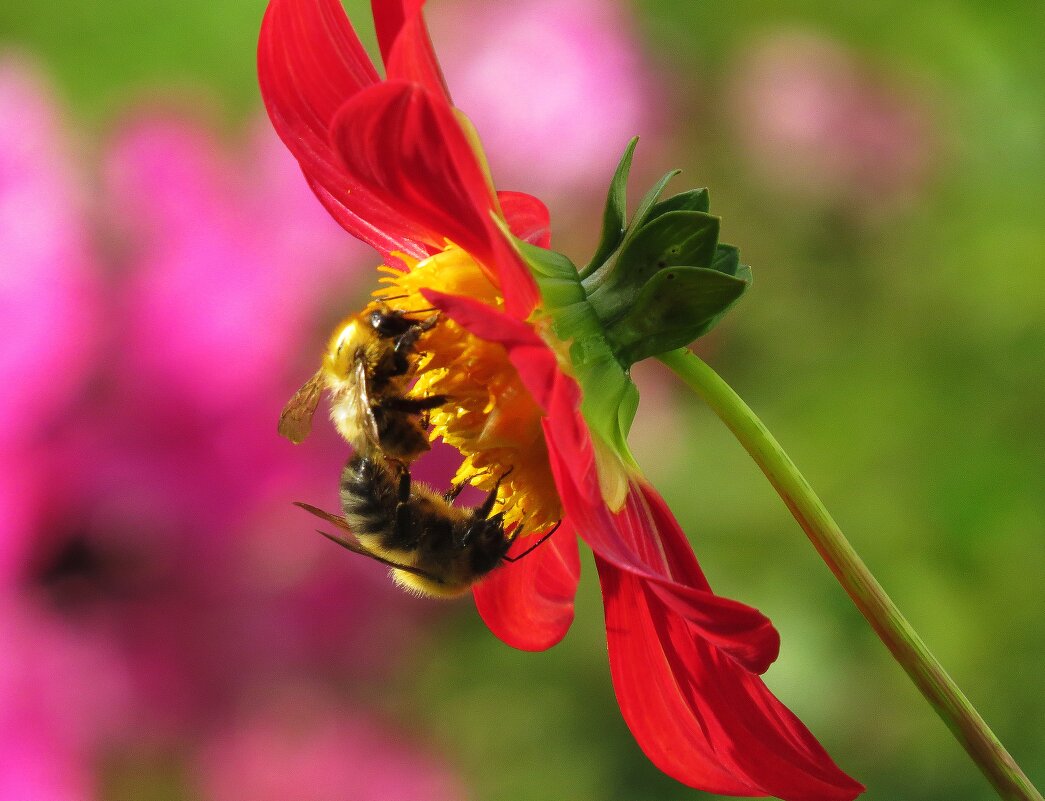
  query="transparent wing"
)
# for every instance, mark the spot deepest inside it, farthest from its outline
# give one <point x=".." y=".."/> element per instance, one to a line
<point x="295" y="422"/>
<point x="354" y="546"/>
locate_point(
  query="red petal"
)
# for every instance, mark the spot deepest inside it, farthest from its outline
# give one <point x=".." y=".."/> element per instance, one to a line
<point x="527" y="218"/>
<point x="405" y="146"/>
<point x="643" y="537"/>
<point x="651" y="546"/>
<point x="406" y="46"/>
<point x="517" y="283"/>
<point x="529" y="604"/>
<point x="697" y="716"/>
<point x="684" y="661"/>
<point x="313" y="43"/>
<point x="310" y="62"/>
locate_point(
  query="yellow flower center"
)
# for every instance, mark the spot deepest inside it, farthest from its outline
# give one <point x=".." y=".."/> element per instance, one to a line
<point x="490" y="417"/>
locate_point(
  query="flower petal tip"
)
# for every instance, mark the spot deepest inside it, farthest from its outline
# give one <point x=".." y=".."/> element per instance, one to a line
<point x="529" y="604"/>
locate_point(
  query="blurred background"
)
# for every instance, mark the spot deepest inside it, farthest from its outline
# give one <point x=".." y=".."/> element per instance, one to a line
<point x="171" y="629"/>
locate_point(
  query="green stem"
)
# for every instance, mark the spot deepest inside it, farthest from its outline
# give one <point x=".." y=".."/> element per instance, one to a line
<point x="889" y="624"/>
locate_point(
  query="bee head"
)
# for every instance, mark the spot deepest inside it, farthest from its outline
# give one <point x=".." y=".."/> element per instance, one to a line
<point x="380" y="320"/>
<point x="390" y="323"/>
<point x="487" y="542"/>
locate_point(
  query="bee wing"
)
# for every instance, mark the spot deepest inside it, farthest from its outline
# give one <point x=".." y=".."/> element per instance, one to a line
<point x="340" y="522"/>
<point x="295" y="422"/>
<point x="355" y="547"/>
<point x="360" y="400"/>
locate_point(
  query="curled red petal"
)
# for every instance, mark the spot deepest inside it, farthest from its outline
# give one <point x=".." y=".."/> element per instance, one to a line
<point x="527" y="218"/>
<point x="735" y="628"/>
<point x="406" y="46"/>
<point x="696" y="716"/>
<point x="529" y="604"/>
<point x="310" y="62"/>
<point x="405" y="146"/>
<point x="389" y="18"/>
<point x="312" y="44"/>
<point x="652" y="546"/>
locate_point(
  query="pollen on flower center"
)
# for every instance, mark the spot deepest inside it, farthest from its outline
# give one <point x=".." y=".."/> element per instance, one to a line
<point x="490" y="417"/>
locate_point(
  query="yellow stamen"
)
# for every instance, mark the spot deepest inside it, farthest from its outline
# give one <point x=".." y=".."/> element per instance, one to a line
<point x="490" y="417"/>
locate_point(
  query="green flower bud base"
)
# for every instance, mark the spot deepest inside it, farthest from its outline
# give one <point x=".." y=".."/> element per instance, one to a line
<point x="656" y="283"/>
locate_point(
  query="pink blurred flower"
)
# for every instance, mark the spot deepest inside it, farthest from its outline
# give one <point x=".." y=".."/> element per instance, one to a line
<point x="302" y="751"/>
<point x="34" y="769"/>
<point x="813" y="118"/>
<point x="20" y="483"/>
<point x="583" y="64"/>
<point x="47" y="292"/>
<point x="175" y="478"/>
<point x="47" y="298"/>
<point x="152" y="572"/>
<point x="62" y="693"/>
<point x="219" y="245"/>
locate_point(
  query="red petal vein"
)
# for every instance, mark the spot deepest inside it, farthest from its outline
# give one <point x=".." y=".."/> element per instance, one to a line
<point x="405" y="146"/>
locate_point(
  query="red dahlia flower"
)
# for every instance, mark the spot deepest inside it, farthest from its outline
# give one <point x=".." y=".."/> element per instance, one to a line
<point x="400" y="168"/>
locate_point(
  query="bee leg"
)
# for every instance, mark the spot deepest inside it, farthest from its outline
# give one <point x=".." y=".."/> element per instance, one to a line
<point x="455" y="489"/>
<point x="484" y="511"/>
<point x="533" y="547"/>
<point x="413" y="405"/>
<point x="405" y="527"/>
<point x="405" y="342"/>
<point x="481" y="514"/>
<point x="403" y="492"/>
<point x="430" y="321"/>
<point x="418" y="328"/>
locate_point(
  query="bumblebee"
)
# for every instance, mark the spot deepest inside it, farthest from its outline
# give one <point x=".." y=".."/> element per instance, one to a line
<point x="366" y="370"/>
<point x="434" y="548"/>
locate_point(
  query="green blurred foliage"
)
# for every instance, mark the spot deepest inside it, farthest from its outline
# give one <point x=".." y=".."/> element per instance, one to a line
<point x="899" y="358"/>
<point x="107" y="54"/>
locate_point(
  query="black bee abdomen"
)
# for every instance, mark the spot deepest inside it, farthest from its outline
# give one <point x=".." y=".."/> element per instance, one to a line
<point x="368" y="496"/>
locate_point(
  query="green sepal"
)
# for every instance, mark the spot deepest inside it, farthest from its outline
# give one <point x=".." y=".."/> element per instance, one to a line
<point x="671" y="240"/>
<point x="674" y="307"/>
<point x="609" y="399"/>
<point x="556" y="276"/>
<point x="614" y="217"/>
<point x="727" y="260"/>
<point x="691" y="200"/>
<point x="655" y="283"/>
<point x="644" y="212"/>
